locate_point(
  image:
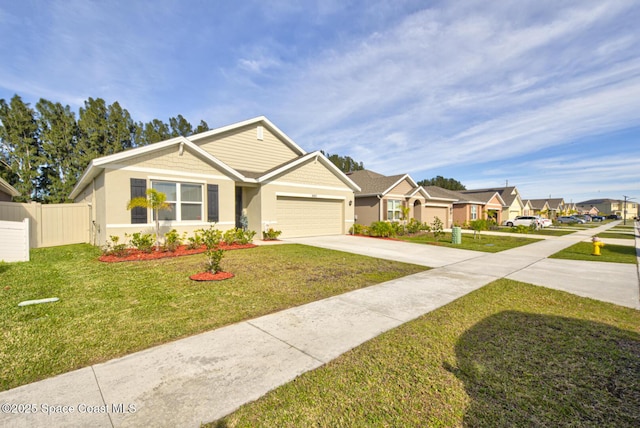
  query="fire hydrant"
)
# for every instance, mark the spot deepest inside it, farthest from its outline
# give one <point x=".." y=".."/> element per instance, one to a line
<point x="597" y="243"/>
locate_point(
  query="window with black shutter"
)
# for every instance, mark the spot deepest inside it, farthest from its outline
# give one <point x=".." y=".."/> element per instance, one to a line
<point x="138" y="189"/>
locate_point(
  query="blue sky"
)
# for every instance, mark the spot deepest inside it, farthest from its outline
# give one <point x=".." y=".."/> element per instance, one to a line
<point x="544" y="94"/>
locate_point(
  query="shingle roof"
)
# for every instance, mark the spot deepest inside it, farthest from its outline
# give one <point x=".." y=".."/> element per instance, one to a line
<point x="439" y="192"/>
<point x="372" y="183"/>
<point x="508" y="194"/>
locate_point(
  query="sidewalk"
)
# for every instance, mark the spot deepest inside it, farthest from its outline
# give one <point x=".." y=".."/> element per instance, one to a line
<point x="204" y="377"/>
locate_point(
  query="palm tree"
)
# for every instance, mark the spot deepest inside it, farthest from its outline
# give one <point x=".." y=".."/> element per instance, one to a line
<point x="156" y="201"/>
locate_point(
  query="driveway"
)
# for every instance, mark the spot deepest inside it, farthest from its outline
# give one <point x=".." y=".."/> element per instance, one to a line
<point x="616" y="283"/>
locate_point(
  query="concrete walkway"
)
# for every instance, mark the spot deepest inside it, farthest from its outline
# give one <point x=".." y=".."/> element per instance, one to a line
<point x="207" y="376"/>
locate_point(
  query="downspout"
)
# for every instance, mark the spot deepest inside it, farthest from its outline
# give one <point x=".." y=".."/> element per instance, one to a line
<point x="379" y="209"/>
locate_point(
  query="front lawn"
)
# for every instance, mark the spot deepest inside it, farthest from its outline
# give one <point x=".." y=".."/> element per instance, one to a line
<point x="109" y="310"/>
<point x="610" y="253"/>
<point x="545" y="231"/>
<point x="508" y="354"/>
<point x="483" y="242"/>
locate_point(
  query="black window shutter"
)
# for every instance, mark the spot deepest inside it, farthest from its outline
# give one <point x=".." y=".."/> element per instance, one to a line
<point x="212" y="203"/>
<point x="138" y="188"/>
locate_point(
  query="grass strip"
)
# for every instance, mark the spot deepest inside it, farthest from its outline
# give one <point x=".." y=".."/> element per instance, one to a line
<point x="609" y="253"/>
<point x="483" y="242"/>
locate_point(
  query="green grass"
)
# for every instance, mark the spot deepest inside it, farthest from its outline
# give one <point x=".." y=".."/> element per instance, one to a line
<point x="546" y="231"/>
<point x="613" y="234"/>
<point x="485" y="242"/>
<point x="610" y="253"/>
<point x="508" y="354"/>
<point x="109" y="310"/>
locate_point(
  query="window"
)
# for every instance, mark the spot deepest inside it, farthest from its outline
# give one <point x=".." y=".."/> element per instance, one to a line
<point x="474" y="212"/>
<point x="393" y="209"/>
<point x="185" y="200"/>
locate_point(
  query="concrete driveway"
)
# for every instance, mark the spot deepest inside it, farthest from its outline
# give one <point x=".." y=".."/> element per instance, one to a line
<point x="610" y="282"/>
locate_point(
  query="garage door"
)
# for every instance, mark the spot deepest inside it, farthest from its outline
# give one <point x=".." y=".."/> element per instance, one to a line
<point x="433" y="212"/>
<point x="309" y="216"/>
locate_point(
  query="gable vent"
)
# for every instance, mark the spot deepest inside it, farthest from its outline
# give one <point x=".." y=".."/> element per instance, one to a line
<point x="260" y="133"/>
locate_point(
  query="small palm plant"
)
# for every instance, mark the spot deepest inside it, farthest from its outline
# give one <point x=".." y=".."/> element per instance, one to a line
<point x="157" y="201"/>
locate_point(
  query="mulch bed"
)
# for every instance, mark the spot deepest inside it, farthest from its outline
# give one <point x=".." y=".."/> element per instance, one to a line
<point x="208" y="276"/>
<point x="136" y="255"/>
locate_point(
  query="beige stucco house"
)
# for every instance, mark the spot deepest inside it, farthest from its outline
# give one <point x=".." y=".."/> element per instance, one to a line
<point x="7" y="191"/>
<point x="381" y="198"/>
<point x="611" y="206"/>
<point x="513" y="204"/>
<point x="539" y="207"/>
<point x="249" y="168"/>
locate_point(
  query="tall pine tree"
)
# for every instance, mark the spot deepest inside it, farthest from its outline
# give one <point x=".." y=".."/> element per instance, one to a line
<point x="58" y="138"/>
<point x="19" y="148"/>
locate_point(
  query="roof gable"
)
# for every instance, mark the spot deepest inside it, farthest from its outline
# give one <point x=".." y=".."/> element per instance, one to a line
<point x="8" y="188"/>
<point x="372" y="183"/>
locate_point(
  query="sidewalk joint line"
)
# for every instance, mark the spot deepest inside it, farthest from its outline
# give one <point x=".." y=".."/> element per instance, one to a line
<point x="101" y="395"/>
<point x="286" y="343"/>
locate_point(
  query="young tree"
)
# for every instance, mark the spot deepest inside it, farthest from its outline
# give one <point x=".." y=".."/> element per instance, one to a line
<point x="157" y="201"/>
<point x="19" y="147"/>
<point x="202" y="127"/>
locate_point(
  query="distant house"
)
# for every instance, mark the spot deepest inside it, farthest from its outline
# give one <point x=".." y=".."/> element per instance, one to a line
<point x="7" y="191"/>
<point x="611" y="206"/>
<point x="249" y="170"/>
<point x="473" y="206"/>
<point x="556" y="207"/>
<point x="513" y="204"/>
<point x="381" y="198"/>
<point x="539" y="207"/>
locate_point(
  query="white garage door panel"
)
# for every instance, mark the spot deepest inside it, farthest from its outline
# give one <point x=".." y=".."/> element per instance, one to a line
<point x="309" y="217"/>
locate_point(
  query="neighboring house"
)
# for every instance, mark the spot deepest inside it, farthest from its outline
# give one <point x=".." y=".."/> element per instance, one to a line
<point x="513" y="205"/>
<point x="538" y="207"/>
<point x="587" y="209"/>
<point x="556" y="207"/>
<point x="7" y="191"/>
<point x="382" y="198"/>
<point x="528" y="208"/>
<point x="473" y="206"/>
<point x="611" y="206"/>
<point x="248" y="168"/>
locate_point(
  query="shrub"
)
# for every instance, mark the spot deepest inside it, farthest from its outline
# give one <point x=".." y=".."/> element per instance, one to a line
<point x="195" y="241"/>
<point x="414" y="226"/>
<point x="521" y="229"/>
<point x="112" y="248"/>
<point x="271" y="234"/>
<point x="247" y="236"/>
<point x="382" y="229"/>
<point x="230" y="236"/>
<point x="143" y="241"/>
<point x="356" y="229"/>
<point x="172" y="240"/>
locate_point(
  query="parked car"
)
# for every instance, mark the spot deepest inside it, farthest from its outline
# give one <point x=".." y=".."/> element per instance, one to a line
<point x="598" y="218"/>
<point x="522" y="221"/>
<point x="584" y="217"/>
<point x="570" y="219"/>
<point x="614" y="217"/>
<point x="544" y="222"/>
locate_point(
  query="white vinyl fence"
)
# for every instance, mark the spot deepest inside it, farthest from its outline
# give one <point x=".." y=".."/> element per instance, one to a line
<point x="14" y="241"/>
